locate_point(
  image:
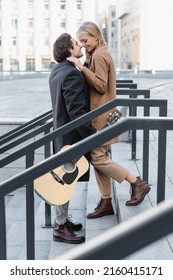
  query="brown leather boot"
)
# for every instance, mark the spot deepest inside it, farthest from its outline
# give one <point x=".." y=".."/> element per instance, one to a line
<point x="103" y="208"/>
<point x="139" y="189"/>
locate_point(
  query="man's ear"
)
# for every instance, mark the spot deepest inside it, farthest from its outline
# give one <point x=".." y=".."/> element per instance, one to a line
<point x="70" y="50"/>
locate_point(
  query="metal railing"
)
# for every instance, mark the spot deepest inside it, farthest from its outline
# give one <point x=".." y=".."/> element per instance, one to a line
<point x="133" y="93"/>
<point x="24" y="127"/>
<point x="38" y="125"/>
<point x="30" y="148"/>
<point x="161" y="124"/>
<point x="28" y="151"/>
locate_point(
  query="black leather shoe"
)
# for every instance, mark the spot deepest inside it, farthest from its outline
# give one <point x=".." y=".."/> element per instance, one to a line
<point x="74" y="226"/>
<point x="63" y="233"/>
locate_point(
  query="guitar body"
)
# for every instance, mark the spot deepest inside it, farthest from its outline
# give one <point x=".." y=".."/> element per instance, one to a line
<point x="59" y="192"/>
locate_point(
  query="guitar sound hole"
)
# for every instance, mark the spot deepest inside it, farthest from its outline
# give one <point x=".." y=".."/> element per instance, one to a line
<point x="69" y="167"/>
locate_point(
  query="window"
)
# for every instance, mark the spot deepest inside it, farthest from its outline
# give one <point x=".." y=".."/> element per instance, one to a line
<point x="46" y="63"/>
<point x="30" y="64"/>
<point x="30" y="4"/>
<point x="14" y="4"/>
<point x="113" y="14"/>
<point x="62" y="24"/>
<point x="62" y="4"/>
<point x="46" y="4"/>
<point x="14" y="41"/>
<point x="46" y="42"/>
<point x="113" y="23"/>
<point x="46" y="22"/>
<point x="30" y="23"/>
<point x="14" y="23"/>
<point x="79" y="4"/>
<point x="30" y="47"/>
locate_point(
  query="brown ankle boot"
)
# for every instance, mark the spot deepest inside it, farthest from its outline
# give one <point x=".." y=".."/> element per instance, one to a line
<point x="139" y="189"/>
<point x="103" y="208"/>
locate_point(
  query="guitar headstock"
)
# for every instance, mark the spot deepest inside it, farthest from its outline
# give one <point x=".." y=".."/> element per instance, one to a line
<point x="114" y="116"/>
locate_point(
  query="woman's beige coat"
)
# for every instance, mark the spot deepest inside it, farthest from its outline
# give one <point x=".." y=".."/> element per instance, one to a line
<point x="101" y="78"/>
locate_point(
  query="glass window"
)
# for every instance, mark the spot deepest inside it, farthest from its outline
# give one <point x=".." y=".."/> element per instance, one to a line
<point x="30" y="64"/>
<point x="79" y="4"/>
<point x="113" y="13"/>
<point x="63" y="24"/>
<point x="46" y="42"/>
<point x="30" y="4"/>
<point x="113" y="23"/>
<point x="14" y="41"/>
<point x="46" y="22"/>
<point x="30" y="23"/>
<point x="62" y="4"/>
<point x="14" y="4"/>
<point x="14" y="23"/>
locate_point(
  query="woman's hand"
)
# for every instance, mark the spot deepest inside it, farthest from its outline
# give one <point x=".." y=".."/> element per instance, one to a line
<point x="76" y="61"/>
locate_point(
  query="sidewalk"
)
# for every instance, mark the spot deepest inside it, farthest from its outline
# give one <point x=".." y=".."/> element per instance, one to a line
<point x="23" y="101"/>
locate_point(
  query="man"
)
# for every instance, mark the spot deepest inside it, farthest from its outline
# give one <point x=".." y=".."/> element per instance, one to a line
<point x="69" y="101"/>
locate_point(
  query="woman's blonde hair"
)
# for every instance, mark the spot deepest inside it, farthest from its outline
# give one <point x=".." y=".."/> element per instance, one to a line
<point x="91" y="29"/>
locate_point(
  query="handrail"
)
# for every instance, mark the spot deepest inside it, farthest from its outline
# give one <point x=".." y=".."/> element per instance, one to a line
<point x="23" y="128"/>
<point x="123" y="81"/>
<point x="27" y="136"/>
<point x="126" y="85"/>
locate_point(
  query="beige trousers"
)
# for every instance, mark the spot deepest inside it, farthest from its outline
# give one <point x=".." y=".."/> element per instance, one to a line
<point x="105" y="169"/>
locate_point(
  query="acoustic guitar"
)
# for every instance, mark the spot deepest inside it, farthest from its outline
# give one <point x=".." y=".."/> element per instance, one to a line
<point x="57" y="186"/>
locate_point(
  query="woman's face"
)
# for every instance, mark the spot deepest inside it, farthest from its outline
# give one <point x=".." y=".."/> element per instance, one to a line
<point x="90" y="43"/>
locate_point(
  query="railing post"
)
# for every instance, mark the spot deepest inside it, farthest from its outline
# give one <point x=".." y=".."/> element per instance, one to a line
<point x="161" y="158"/>
<point x="30" y="213"/>
<point x="161" y="166"/>
<point x="146" y="135"/>
<point x="3" y="243"/>
<point x="133" y="112"/>
<point x="48" y="222"/>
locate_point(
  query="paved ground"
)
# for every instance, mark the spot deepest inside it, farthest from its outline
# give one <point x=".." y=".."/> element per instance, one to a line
<point x="24" y="99"/>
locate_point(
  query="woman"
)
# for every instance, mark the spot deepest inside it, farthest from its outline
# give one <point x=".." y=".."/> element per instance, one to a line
<point x="99" y="72"/>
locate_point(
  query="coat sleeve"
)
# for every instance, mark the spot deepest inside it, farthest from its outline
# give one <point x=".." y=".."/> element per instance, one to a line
<point x="74" y="92"/>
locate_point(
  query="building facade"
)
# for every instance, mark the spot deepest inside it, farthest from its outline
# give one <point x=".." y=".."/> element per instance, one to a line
<point x="128" y="14"/>
<point x="112" y="33"/>
<point x="28" y="29"/>
<point x="145" y="40"/>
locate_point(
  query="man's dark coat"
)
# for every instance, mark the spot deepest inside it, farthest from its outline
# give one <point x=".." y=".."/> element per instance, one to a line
<point x="69" y="97"/>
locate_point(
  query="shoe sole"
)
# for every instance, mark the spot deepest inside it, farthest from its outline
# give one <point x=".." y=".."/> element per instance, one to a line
<point x="67" y="241"/>
<point x="137" y="203"/>
<point x="99" y="216"/>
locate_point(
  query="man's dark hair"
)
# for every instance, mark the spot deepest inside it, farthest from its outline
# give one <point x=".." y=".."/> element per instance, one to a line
<point x="62" y="46"/>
